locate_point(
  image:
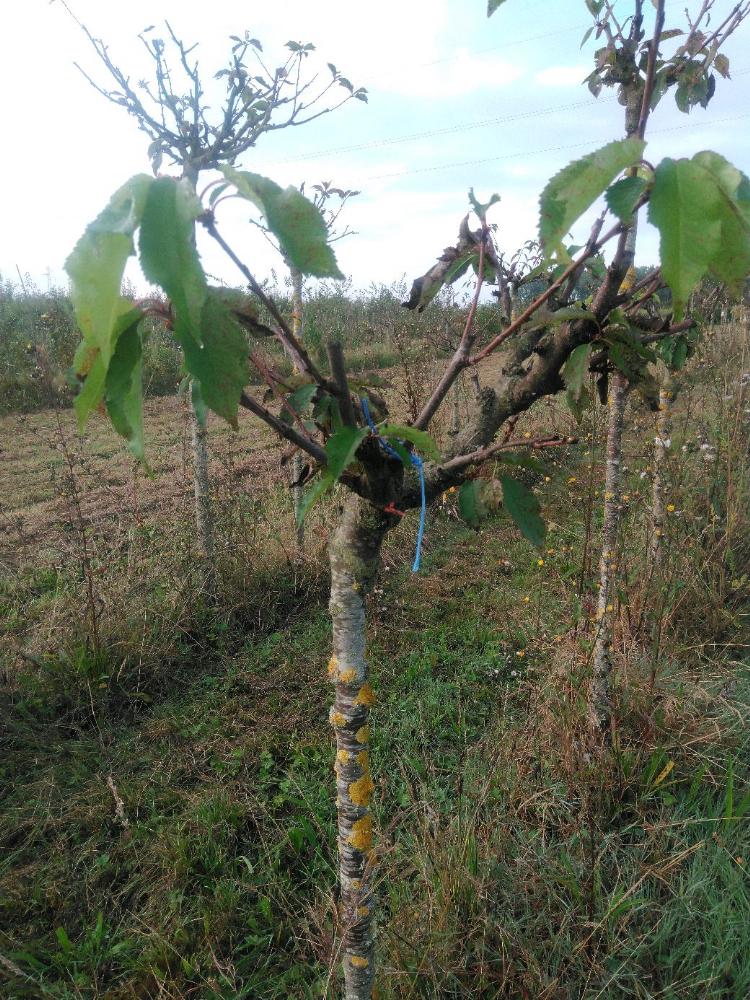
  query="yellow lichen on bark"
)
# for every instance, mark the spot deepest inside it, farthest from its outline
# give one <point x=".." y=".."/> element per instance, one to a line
<point x="360" y="791"/>
<point x="336" y="719"/>
<point x="347" y="676"/>
<point x="363" y="759"/>
<point x="361" y="835"/>
<point x="362" y="911"/>
<point x="343" y="756"/>
<point x="362" y="735"/>
<point x="365" y="696"/>
<point x="358" y="962"/>
<point x="332" y="665"/>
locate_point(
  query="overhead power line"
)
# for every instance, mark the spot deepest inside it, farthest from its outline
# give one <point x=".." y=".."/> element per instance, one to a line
<point x="453" y="129"/>
<point x="533" y="152"/>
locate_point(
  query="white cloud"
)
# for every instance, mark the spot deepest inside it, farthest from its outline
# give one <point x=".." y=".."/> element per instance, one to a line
<point x="562" y="76"/>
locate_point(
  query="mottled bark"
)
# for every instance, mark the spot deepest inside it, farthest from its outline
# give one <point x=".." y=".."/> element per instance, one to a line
<point x="662" y="444"/>
<point x="601" y="706"/>
<point x="354" y="553"/>
<point x="297" y="462"/>
<point x="204" y="523"/>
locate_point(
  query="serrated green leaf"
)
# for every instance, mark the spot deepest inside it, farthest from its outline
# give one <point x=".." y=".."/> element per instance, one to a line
<point x="524" y="508"/>
<point x="623" y="195"/>
<point x="470" y="503"/>
<point x="97" y="263"/>
<point x="168" y="255"/>
<point x="456" y="270"/>
<point x="574" y="374"/>
<point x="492" y="6"/>
<point x="123" y="393"/>
<point x="685" y="208"/>
<point x="420" y="439"/>
<point x="577" y="186"/>
<point x="297" y="401"/>
<point x="731" y="262"/>
<point x="96" y="363"/>
<point x="342" y="446"/>
<point x="220" y="364"/>
<point x="294" y="221"/>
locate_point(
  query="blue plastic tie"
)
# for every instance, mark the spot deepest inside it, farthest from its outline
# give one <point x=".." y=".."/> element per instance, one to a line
<point x="416" y="461"/>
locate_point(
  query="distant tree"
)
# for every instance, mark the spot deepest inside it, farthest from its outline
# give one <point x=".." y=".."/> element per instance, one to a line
<point x="174" y="110"/>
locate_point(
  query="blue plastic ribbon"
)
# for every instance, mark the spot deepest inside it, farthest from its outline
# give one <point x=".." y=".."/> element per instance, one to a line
<point x="416" y="461"/>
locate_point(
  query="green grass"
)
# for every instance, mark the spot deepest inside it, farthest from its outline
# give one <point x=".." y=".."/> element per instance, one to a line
<point x="167" y="825"/>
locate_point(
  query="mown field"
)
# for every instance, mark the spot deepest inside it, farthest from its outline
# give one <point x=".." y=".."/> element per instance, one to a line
<point x="167" y="825"/>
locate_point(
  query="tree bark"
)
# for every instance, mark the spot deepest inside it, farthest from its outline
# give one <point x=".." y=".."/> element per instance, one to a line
<point x="662" y="444"/>
<point x="204" y="519"/>
<point x="601" y="704"/>
<point x="297" y="461"/>
<point x="354" y="552"/>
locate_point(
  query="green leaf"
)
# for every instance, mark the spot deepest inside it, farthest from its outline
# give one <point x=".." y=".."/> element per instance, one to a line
<point x="198" y="402"/>
<point x="123" y="393"/>
<point x="298" y="400"/>
<point x="623" y="195"/>
<point x="168" y="254"/>
<point x="481" y="208"/>
<point x="685" y="208"/>
<point x="577" y="186"/>
<point x="492" y="6"/>
<point x="420" y="439"/>
<point x="220" y="364"/>
<point x="457" y="269"/>
<point x="341" y="448"/>
<point x="524" y="508"/>
<point x="574" y="373"/>
<point x="294" y="221"/>
<point x="95" y="364"/>
<point x="731" y="262"/>
<point x="471" y="505"/>
<point x="97" y="263"/>
<point x="567" y="314"/>
<point x="321" y="486"/>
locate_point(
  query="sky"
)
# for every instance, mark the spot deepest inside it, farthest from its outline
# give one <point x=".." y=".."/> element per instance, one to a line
<point x="455" y="100"/>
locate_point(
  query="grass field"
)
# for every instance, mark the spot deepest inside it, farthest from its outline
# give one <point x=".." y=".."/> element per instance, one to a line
<point x="167" y="817"/>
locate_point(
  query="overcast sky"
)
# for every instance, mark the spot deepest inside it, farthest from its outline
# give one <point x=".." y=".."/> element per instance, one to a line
<point x="456" y="100"/>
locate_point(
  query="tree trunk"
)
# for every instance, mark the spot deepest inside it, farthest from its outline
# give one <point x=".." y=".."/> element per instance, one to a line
<point x="600" y="690"/>
<point x="354" y="552"/>
<point x="204" y="515"/>
<point x="297" y="461"/>
<point x="662" y="445"/>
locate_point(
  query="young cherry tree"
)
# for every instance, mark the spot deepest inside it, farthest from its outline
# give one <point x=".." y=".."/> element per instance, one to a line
<point x="174" y="109"/>
<point x="386" y="469"/>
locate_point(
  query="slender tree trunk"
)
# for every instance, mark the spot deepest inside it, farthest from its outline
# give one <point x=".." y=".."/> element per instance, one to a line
<point x="662" y="445"/>
<point x="601" y="699"/>
<point x="204" y="515"/>
<point x="354" y="553"/>
<point x="297" y="461"/>
<point x="600" y="692"/>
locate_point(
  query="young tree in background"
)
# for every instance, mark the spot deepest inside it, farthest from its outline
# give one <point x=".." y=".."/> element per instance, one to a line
<point x="173" y="110"/>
